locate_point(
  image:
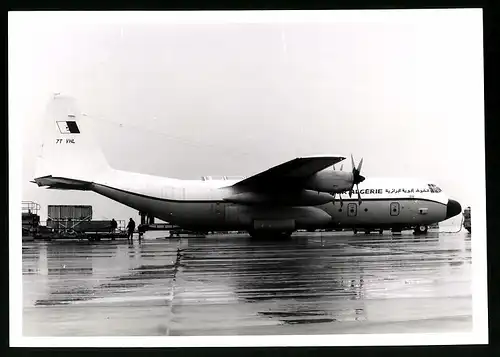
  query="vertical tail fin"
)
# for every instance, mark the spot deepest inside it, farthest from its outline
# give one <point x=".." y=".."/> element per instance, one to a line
<point x="68" y="147"/>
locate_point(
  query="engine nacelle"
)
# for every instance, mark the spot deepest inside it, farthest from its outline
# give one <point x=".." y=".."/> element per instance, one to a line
<point x="302" y="198"/>
<point x="330" y="181"/>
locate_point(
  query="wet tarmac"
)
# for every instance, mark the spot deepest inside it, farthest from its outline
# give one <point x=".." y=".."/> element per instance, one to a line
<point x="314" y="283"/>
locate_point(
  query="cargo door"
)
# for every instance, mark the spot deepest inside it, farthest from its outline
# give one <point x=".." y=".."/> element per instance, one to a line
<point x="218" y="211"/>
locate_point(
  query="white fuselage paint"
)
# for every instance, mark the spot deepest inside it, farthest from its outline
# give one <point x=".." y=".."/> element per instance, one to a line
<point x="200" y="204"/>
<point x="71" y="159"/>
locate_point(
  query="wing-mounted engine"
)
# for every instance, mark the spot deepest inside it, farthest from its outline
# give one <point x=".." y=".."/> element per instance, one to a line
<point x="330" y="181"/>
<point x="334" y="182"/>
<point x="305" y="181"/>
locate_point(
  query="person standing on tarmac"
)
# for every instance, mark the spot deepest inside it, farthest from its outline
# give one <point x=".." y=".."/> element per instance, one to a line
<point x="131" y="228"/>
<point x="114" y="225"/>
<point x="141" y="229"/>
<point x="112" y="228"/>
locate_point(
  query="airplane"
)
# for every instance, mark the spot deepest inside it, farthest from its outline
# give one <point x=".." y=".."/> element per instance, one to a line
<point x="303" y="193"/>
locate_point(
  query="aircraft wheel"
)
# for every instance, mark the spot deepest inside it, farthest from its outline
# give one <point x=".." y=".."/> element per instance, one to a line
<point x="381" y="231"/>
<point x="421" y="229"/>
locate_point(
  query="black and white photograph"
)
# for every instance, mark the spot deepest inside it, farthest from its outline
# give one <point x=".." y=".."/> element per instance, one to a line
<point x="247" y="178"/>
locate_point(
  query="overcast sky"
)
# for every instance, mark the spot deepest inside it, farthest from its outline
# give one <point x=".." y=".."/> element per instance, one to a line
<point x="404" y="92"/>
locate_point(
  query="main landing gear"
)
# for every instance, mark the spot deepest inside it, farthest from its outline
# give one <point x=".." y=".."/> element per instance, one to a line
<point x="269" y="234"/>
<point x="420" y="229"/>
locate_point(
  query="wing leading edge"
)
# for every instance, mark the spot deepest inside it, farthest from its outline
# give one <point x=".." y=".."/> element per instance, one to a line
<point x="290" y="173"/>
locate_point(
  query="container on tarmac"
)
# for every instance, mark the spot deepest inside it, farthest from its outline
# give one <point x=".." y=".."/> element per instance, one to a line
<point x="73" y="212"/>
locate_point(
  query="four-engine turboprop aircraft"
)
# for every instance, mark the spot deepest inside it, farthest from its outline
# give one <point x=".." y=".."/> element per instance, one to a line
<point x="304" y="193"/>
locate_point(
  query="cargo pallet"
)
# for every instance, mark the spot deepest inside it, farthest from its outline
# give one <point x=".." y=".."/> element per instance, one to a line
<point x="90" y="236"/>
<point x="91" y="230"/>
<point x="68" y="222"/>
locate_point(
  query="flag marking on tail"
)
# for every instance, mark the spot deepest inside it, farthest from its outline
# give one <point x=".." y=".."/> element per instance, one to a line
<point x="68" y="127"/>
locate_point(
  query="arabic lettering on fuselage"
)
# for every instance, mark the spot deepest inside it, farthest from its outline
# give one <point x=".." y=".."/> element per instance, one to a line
<point x="379" y="191"/>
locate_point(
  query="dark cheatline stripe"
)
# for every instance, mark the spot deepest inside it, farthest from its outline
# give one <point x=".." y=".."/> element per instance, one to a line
<point x="222" y="201"/>
<point x="73" y="128"/>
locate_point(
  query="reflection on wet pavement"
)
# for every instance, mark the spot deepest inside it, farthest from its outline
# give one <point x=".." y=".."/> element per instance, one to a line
<point x="233" y="285"/>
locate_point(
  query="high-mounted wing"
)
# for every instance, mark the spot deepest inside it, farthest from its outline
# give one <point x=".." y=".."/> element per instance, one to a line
<point x="290" y="173"/>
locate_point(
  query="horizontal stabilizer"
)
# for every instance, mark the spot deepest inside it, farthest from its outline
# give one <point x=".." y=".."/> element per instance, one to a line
<point x="62" y="183"/>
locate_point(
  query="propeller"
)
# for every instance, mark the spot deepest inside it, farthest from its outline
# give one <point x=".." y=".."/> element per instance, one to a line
<point x="357" y="177"/>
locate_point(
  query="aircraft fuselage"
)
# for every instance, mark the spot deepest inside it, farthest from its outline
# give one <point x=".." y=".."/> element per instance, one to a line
<point x="301" y="193"/>
<point x="201" y="205"/>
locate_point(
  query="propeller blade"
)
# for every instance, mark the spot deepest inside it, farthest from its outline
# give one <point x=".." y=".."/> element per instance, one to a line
<point x="360" y="165"/>
<point x="341" y="167"/>
<point x="356" y="172"/>
<point x="333" y="167"/>
<point x="359" y="195"/>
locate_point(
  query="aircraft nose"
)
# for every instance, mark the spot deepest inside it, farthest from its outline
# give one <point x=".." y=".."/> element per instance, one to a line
<point x="453" y="208"/>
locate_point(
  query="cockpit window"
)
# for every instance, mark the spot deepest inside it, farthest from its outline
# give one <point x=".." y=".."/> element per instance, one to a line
<point x="433" y="188"/>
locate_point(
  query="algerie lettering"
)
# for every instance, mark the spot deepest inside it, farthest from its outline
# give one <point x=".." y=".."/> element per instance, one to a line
<point x="379" y="191"/>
